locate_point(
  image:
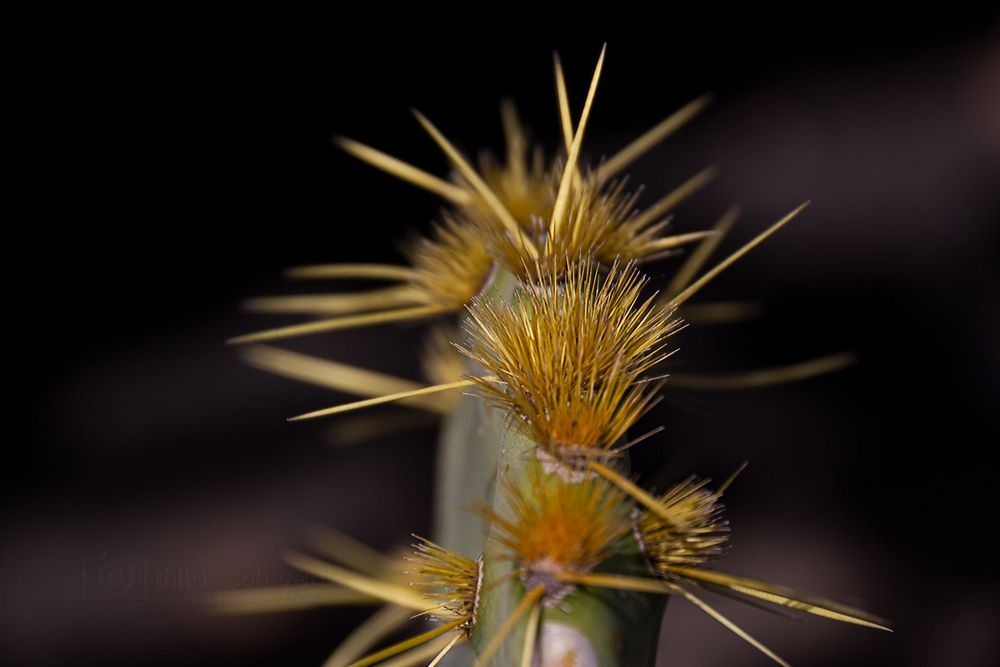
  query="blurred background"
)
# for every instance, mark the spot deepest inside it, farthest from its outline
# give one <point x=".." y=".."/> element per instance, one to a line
<point x="178" y="163"/>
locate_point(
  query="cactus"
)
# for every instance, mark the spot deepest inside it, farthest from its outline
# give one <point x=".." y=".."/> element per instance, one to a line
<point x="563" y="347"/>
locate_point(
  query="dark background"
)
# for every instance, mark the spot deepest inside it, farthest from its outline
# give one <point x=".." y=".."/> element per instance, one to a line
<point x="169" y="166"/>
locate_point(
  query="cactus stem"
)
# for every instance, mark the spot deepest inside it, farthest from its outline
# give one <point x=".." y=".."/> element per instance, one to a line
<point x="496" y="641"/>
